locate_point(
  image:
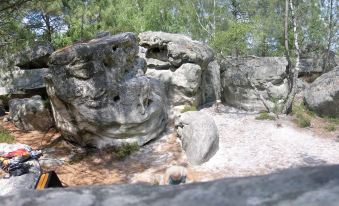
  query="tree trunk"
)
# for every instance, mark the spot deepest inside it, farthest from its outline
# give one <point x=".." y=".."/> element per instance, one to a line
<point x="288" y="103"/>
<point x="327" y="62"/>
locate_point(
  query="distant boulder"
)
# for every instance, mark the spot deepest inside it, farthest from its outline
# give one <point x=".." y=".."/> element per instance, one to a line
<point x="322" y="96"/>
<point x="199" y="135"/>
<point x="30" y="114"/>
<point x="34" y="57"/>
<point x="181" y="64"/>
<point x="267" y="74"/>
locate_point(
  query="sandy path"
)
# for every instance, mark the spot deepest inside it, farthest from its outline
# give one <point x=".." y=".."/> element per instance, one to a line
<point x="256" y="147"/>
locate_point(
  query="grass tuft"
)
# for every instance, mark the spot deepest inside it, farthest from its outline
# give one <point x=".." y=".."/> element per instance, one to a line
<point x="189" y="108"/>
<point x="5" y="136"/>
<point x="265" y="116"/>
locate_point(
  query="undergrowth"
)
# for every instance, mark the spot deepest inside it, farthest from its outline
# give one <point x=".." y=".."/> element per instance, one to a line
<point x="189" y="108"/>
<point x="5" y="136"/>
<point x="265" y="116"/>
<point x="302" y="114"/>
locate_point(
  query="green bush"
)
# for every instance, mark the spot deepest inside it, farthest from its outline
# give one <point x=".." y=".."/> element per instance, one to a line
<point x="5" y="136"/>
<point x="124" y="150"/>
<point x="303" y="120"/>
<point x="265" y="116"/>
<point x="189" y="108"/>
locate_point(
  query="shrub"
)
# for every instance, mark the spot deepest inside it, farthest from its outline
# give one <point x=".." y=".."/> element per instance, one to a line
<point x="124" y="150"/>
<point x="265" y="116"/>
<point x="303" y="120"/>
<point x="188" y="108"/>
<point x="330" y="128"/>
<point x="5" y="136"/>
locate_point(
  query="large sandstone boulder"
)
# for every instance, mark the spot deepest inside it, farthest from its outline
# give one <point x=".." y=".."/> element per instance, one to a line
<point x="293" y="187"/>
<point x="20" y="81"/>
<point x="267" y="74"/>
<point x="180" y="63"/>
<point x="14" y="184"/>
<point x="34" y="57"/>
<point x="199" y="135"/>
<point x="30" y="114"/>
<point x="322" y="96"/>
<point x="100" y="96"/>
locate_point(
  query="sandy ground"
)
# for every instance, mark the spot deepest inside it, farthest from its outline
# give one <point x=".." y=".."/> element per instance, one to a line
<point x="247" y="147"/>
<point x="255" y="147"/>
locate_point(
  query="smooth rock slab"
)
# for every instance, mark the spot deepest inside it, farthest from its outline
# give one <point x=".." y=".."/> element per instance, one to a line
<point x="322" y="96"/>
<point x="293" y="187"/>
<point x="199" y="136"/>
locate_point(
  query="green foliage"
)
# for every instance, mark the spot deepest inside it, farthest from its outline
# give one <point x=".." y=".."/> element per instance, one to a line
<point x="189" y="108"/>
<point x="303" y="120"/>
<point x="302" y="115"/>
<point x="330" y="128"/>
<point x="5" y="136"/>
<point x="125" y="150"/>
<point x="265" y="116"/>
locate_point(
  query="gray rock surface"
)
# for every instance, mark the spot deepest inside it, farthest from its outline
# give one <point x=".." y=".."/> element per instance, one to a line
<point x="30" y="114"/>
<point x="19" y="81"/>
<point x="14" y="184"/>
<point x="199" y="135"/>
<point x="100" y="96"/>
<point x="317" y="63"/>
<point x="268" y="75"/>
<point x="34" y="57"/>
<point x="293" y="187"/>
<point x="322" y="96"/>
<point x="180" y="63"/>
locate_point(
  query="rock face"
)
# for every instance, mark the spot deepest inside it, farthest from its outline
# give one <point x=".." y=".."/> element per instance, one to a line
<point x="18" y="80"/>
<point x="14" y="184"/>
<point x="267" y="74"/>
<point x="100" y="96"/>
<point x="35" y="57"/>
<point x="30" y="114"/>
<point x="199" y="136"/>
<point x="322" y="96"/>
<point x="294" y="187"/>
<point x="315" y="64"/>
<point x="180" y="63"/>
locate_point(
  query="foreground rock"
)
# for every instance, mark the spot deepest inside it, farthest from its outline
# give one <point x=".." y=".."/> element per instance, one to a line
<point x="14" y="184"/>
<point x="322" y="96"/>
<point x="267" y="74"/>
<point x="199" y="136"/>
<point x="181" y="64"/>
<point x="30" y="114"/>
<point x="100" y="96"/>
<point x="304" y="186"/>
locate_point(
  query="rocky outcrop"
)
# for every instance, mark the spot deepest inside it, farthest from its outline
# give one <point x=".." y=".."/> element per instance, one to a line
<point x="34" y="57"/>
<point x="180" y="63"/>
<point x="14" y="184"/>
<point x="266" y="74"/>
<point x="20" y="81"/>
<point x="314" y="64"/>
<point x="293" y="187"/>
<point x="30" y="114"/>
<point x="199" y="135"/>
<point x="100" y="96"/>
<point x="322" y="96"/>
